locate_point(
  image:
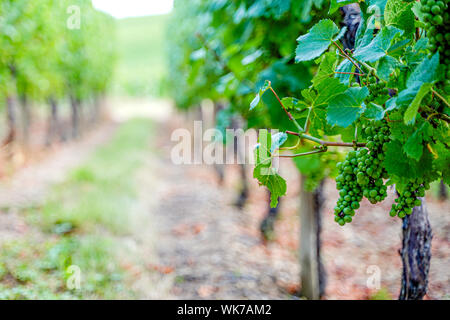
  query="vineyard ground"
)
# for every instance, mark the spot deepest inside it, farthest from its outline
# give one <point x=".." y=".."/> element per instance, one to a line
<point x="138" y="226"/>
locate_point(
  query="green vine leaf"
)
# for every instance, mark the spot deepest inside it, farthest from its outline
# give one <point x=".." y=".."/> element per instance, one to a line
<point x="273" y="181"/>
<point x="336" y="4"/>
<point x="374" y="112"/>
<point x="411" y="112"/>
<point x="263" y="171"/>
<point x="398" y="13"/>
<point x="378" y="47"/>
<point x="326" y="68"/>
<point x="426" y="71"/>
<point x="347" y="107"/>
<point x="278" y="139"/>
<point x="397" y="163"/>
<point x="297" y="108"/>
<point x="386" y="67"/>
<point x="316" y="41"/>
<point x="413" y="146"/>
<point x="255" y="101"/>
<point x="257" y="98"/>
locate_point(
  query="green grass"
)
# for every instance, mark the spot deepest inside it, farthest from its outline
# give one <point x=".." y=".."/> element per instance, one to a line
<point x="82" y="223"/>
<point x="382" y="294"/>
<point x="141" y="55"/>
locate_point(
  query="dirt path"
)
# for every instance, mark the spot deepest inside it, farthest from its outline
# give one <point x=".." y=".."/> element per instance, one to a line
<point x="29" y="186"/>
<point x="205" y="244"/>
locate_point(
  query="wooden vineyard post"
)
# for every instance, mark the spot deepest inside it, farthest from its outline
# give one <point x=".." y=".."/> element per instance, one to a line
<point x="416" y="253"/>
<point x="312" y="273"/>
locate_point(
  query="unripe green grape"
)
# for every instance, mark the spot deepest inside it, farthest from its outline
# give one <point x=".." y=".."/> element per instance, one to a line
<point x="438" y="20"/>
<point x="435" y="9"/>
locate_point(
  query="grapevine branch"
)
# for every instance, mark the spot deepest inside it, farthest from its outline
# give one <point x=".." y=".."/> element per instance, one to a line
<point x="432" y="112"/>
<point x="354" y="73"/>
<point x="284" y="108"/>
<point x="326" y="143"/>
<point x="302" y="154"/>
<point x="440" y="97"/>
<point x="346" y="55"/>
<point x="303" y="135"/>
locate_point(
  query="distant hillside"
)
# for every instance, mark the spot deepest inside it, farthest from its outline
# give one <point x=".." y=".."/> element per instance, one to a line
<point x="140" y="45"/>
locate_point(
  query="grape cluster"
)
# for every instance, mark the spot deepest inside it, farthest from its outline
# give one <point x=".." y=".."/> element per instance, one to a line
<point x="375" y="88"/>
<point x="362" y="174"/>
<point x="373" y="173"/>
<point x="349" y="191"/>
<point x="436" y="18"/>
<point x="409" y="198"/>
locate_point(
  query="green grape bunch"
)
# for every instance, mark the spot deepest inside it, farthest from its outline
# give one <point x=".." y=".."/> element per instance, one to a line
<point x="361" y="174"/>
<point x="409" y="198"/>
<point x="436" y="17"/>
<point x="349" y="191"/>
<point x="376" y="88"/>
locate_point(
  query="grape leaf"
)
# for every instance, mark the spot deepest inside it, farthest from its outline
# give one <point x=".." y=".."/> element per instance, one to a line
<point x="374" y="112"/>
<point x="277" y="140"/>
<point x="413" y="146"/>
<point x="264" y="172"/>
<point x="386" y="66"/>
<point x="316" y="41"/>
<point x="442" y="161"/>
<point x="397" y="163"/>
<point x="415" y="143"/>
<point x="257" y="98"/>
<point x="255" y="101"/>
<point x="378" y="47"/>
<point x="336" y="4"/>
<point x="398" y="13"/>
<point x="326" y="68"/>
<point x="296" y="107"/>
<point x="344" y="66"/>
<point x="426" y="71"/>
<point x="363" y="35"/>
<point x="328" y="89"/>
<point x="346" y="107"/>
<point x="411" y="112"/>
<point x="341" y="34"/>
<point x="273" y="181"/>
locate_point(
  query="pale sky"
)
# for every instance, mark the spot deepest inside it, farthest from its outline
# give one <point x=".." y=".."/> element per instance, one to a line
<point x="132" y="8"/>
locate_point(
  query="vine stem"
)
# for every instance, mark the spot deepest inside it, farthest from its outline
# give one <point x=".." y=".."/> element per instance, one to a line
<point x="301" y="154"/>
<point x="326" y="143"/>
<point x="346" y="55"/>
<point x="285" y="110"/>
<point x="440" y="97"/>
<point x="354" y="73"/>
